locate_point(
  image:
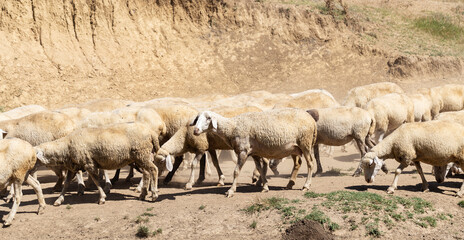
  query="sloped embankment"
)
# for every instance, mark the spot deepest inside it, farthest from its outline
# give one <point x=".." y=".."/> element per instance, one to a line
<point x="53" y="54"/>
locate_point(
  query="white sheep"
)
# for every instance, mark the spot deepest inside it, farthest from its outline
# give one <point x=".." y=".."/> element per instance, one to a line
<point x="422" y="107"/>
<point x="314" y="98"/>
<point x="109" y="147"/>
<point x="269" y="134"/>
<point x="341" y="125"/>
<point x="452" y="97"/>
<point x="360" y="96"/>
<point x="17" y="158"/>
<point x="38" y="128"/>
<point x="389" y="112"/>
<point x="435" y="142"/>
<point x="20" y="112"/>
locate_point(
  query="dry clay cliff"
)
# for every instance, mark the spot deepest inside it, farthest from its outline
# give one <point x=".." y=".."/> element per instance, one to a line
<point x="58" y="52"/>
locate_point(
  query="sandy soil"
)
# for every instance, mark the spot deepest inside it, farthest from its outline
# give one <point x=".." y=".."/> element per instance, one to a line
<point x="177" y="211"/>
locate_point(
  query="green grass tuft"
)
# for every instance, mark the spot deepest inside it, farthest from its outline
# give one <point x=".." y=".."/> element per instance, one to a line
<point x="202" y="207"/>
<point x="143" y="232"/>
<point x="254" y="224"/>
<point x="372" y="229"/>
<point x="461" y="204"/>
<point x="440" y="26"/>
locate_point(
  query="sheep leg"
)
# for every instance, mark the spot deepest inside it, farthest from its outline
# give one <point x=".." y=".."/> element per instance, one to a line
<point x="296" y="166"/>
<point x="177" y="162"/>
<point x="262" y="171"/>
<point x="35" y="184"/>
<point x="80" y="183"/>
<point x="139" y="186"/>
<point x="318" y="159"/>
<point x="116" y="176"/>
<point x="131" y="173"/>
<point x="17" y="185"/>
<point x="460" y="193"/>
<point x="425" y="184"/>
<point x="361" y="147"/>
<point x="308" y="155"/>
<point x="256" y="177"/>
<point x="59" y="183"/>
<point x="69" y="177"/>
<point x="201" y="177"/>
<point x="94" y="176"/>
<point x="241" y="159"/>
<point x="10" y="194"/>
<point x="108" y="184"/>
<point x="191" y="180"/>
<point x="154" y="182"/>
<point x="215" y="161"/>
<point x="146" y="182"/>
<point x="394" y="185"/>
<point x="273" y="163"/>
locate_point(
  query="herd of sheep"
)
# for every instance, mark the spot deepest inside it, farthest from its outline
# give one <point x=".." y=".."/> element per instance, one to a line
<point x="153" y="136"/>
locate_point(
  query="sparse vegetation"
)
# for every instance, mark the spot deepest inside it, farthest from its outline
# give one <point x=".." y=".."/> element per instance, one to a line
<point x="253" y="224"/>
<point x="441" y="26"/>
<point x="143" y="232"/>
<point x="372" y="229"/>
<point x="461" y="204"/>
<point x="202" y="207"/>
<point x="97" y="219"/>
<point x="147" y="214"/>
<point x="68" y="207"/>
<point x="140" y="219"/>
<point x="157" y="232"/>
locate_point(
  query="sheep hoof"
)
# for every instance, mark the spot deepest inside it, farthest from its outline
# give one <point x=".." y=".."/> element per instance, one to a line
<point x="154" y="197"/>
<point x="254" y="179"/>
<point x="459" y="194"/>
<point x="222" y="178"/>
<point x="390" y="190"/>
<point x="58" y="201"/>
<point x="101" y="201"/>
<point x="188" y="186"/>
<point x="229" y="193"/>
<point x="8" y="198"/>
<point x="138" y="189"/>
<point x="199" y="181"/>
<point x="275" y="171"/>
<point x="425" y="190"/>
<point x="305" y="188"/>
<point x="41" y="209"/>
<point x="107" y="188"/>
<point x="290" y="184"/>
<point x="259" y="182"/>
<point x="265" y="189"/>
<point x="7" y="224"/>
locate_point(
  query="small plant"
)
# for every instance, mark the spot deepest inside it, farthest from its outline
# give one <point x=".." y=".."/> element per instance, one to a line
<point x="430" y="220"/>
<point x="97" y="219"/>
<point x="157" y="232"/>
<point x="420" y="223"/>
<point x="461" y="204"/>
<point x="253" y="224"/>
<point x="141" y="219"/>
<point x="68" y="207"/>
<point x="372" y="229"/>
<point x="125" y="217"/>
<point x="149" y="209"/>
<point x="147" y="214"/>
<point x="353" y="227"/>
<point x="202" y="207"/>
<point x="143" y="232"/>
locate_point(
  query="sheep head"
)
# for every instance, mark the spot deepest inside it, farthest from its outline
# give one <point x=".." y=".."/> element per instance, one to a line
<point x="164" y="156"/>
<point x="3" y="133"/>
<point x="371" y="165"/>
<point x="203" y="122"/>
<point x="40" y="156"/>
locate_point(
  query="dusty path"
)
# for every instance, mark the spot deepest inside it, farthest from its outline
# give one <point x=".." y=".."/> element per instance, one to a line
<point x="177" y="212"/>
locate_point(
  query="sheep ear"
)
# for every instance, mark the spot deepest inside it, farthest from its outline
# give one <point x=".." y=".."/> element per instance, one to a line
<point x="214" y="123"/>
<point x="194" y="122"/>
<point x="3" y="134"/>
<point x="169" y="163"/>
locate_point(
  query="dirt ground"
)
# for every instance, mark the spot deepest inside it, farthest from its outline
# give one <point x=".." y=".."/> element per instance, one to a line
<point x="205" y="212"/>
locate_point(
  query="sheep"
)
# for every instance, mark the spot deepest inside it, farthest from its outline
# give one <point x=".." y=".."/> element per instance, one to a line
<point x="435" y="142"/>
<point x="452" y="96"/>
<point x="38" y="128"/>
<point x="389" y="112"/>
<point x="76" y="114"/>
<point x="21" y="112"/>
<point x="341" y="125"/>
<point x="433" y="96"/>
<point x="185" y="141"/>
<point x="269" y="134"/>
<point x="314" y="98"/>
<point x="109" y="147"/>
<point x="128" y="114"/>
<point x="422" y="107"/>
<point x="102" y="105"/>
<point x="17" y="159"/>
<point x="360" y="96"/>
